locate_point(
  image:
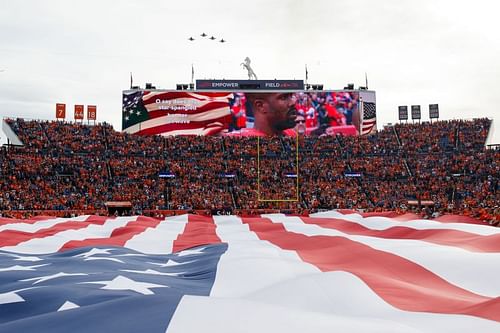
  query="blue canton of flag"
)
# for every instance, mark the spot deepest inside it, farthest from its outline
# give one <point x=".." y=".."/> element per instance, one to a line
<point x="133" y="109"/>
<point x="369" y="111"/>
<point x="131" y="101"/>
<point x="103" y="289"/>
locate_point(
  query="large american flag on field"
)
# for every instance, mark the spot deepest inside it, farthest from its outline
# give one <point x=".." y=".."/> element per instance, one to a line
<point x="327" y="272"/>
<point x="175" y="112"/>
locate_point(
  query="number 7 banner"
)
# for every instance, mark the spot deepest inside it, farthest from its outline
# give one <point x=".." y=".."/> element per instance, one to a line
<point x="60" y="111"/>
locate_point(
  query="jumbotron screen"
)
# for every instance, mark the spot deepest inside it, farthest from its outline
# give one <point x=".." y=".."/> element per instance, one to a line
<point x="256" y="113"/>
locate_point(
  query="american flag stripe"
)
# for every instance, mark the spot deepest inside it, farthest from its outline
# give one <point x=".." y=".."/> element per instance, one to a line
<point x="248" y="256"/>
<point x="210" y="113"/>
<point x="321" y="307"/>
<point x="51" y="240"/>
<point x="160" y="239"/>
<point x="367" y="126"/>
<point x="448" y="264"/>
<point x="118" y="237"/>
<point x="11" y="221"/>
<point x="198" y="131"/>
<point x="301" y="272"/>
<point x="198" y="231"/>
<point x="382" y="222"/>
<point x="172" y="99"/>
<point x="465" y="240"/>
<point x="10" y="237"/>
<point x="390" y="276"/>
<point x="167" y="129"/>
<point x="394" y="215"/>
<point x="153" y="112"/>
<point x="32" y="225"/>
<point x="403" y="217"/>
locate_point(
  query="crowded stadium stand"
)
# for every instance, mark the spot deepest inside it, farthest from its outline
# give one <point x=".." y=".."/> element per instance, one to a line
<point x="426" y="168"/>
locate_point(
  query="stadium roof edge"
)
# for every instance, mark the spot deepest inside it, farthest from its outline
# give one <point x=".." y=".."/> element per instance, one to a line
<point x="244" y="90"/>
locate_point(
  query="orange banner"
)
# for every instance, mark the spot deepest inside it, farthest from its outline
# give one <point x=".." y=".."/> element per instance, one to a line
<point x="91" y="112"/>
<point x="78" y="112"/>
<point x="60" y="110"/>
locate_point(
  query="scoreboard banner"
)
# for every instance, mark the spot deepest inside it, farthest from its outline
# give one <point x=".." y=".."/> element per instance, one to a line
<point x="246" y="85"/>
<point x="433" y="111"/>
<point x="415" y="112"/>
<point x="233" y="113"/>
<point x="403" y="112"/>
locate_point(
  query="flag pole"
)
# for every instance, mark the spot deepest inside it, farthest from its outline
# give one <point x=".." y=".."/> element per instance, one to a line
<point x="192" y="74"/>
<point x="366" y="81"/>
<point x="361" y="114"/>
<point x="131" y="81"/>
<point x="307" y="74"/>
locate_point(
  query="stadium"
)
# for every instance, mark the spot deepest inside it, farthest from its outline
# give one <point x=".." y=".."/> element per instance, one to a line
<point x="166" y="161"/>
<point x="249" y="205"/>
<point x="191" y="163"/>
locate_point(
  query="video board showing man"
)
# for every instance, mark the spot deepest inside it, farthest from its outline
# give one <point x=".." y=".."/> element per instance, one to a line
<point x="286" y="113"/>
<point x="273" y="114"/>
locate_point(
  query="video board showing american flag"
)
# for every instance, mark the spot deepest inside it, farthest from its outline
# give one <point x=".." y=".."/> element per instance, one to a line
<point x="175" y="112"/>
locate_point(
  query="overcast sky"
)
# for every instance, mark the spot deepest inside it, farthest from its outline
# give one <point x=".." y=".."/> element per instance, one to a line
<point x="415" y="52"/>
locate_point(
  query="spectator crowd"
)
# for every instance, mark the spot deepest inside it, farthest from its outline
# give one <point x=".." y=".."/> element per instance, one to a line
<point x="442" y="167"/>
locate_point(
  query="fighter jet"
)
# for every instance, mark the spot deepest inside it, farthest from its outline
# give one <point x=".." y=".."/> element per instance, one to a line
<point x="222" y="40"/>
<point x="203" y="35"/>
<point x="191" y="39"/>
<point x="212" y="38"/>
